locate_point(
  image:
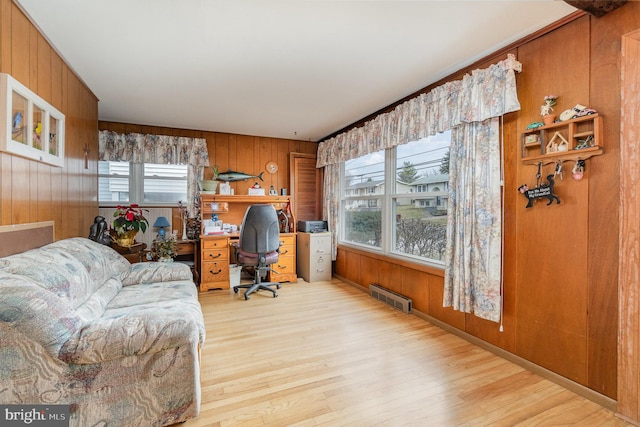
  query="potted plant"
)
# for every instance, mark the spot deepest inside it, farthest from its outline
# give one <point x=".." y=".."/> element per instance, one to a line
<point x="164" y="249"/>
<point x="129" y="220"/>
<point x="210" y="185"/>
<point x="547" y="109"/>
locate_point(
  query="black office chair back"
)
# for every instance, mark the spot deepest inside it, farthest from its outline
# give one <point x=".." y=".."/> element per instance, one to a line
<point x="260" y="231"/>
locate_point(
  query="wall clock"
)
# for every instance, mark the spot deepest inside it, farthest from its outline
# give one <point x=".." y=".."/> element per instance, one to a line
<point x="272" y="167"/>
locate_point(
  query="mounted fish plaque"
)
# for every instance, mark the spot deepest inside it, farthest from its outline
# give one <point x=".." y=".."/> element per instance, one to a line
<point x="232" y="176"/>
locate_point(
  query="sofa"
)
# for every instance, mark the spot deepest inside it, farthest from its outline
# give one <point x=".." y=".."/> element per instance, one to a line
<point x="118" y="343"/>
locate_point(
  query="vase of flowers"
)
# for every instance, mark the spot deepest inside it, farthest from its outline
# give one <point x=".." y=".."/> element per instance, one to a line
<point x="165" y="249"/>
<point x="545" y="111"/>
<point x="129" y="220"/>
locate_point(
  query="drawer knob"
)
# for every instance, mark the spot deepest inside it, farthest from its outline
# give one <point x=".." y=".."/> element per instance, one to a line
<point x="215" y="256"/>
<point x="215" y="272"/>
<point x="286" y="251"/>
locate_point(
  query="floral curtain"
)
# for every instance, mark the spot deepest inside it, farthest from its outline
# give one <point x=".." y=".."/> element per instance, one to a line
<point x="161" y="149"/>
<point x="474" y="229"/>
<point x="332" y="204"/>
<point x="478" y="97"/>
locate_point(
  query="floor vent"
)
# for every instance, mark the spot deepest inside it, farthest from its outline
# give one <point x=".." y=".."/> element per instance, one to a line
<point x="391" y="298"/>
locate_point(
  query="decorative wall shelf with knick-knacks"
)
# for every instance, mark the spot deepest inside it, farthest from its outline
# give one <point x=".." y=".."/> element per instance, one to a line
<point x="32" y="128"/>
<point x="574" y="139"/>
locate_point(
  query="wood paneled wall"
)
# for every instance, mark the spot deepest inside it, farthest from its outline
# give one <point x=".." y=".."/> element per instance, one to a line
<point x="31" y="191"/>
<point x="629" y="336"/>
<point x="242" y="153"/>
<point x="561" y="261"/>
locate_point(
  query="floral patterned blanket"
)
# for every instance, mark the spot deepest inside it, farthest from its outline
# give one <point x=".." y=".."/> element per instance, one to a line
<point x="118" y="343"/>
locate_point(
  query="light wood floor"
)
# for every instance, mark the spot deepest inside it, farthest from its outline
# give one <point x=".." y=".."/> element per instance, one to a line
<point x="327" y="354"/>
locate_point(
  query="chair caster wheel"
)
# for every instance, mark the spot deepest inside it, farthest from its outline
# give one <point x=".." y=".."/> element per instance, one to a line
<point x="275" y="294"/>
<point x="278" y="286"/>
<point x="246" y="297"/>
<point x="235" y="290"/>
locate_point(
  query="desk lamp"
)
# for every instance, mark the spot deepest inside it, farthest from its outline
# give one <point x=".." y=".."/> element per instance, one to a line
<point x="161" y="222"/>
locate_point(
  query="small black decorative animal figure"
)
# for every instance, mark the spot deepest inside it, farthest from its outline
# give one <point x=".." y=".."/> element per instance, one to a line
<point x="544" y="191"/>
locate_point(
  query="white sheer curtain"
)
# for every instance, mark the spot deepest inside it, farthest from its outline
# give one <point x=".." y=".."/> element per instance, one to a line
<point x="478" y="97"/>
<point x="160" y="149"/>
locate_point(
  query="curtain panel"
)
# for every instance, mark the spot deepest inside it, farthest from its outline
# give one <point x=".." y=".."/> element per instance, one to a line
<point x="470" y="107"/>
<point x="159" y="149"/>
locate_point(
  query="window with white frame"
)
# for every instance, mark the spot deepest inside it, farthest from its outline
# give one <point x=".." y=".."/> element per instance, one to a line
<point x="361" y="203"/>
<point x="146" y="184"/>
<point x="395" y="201"/>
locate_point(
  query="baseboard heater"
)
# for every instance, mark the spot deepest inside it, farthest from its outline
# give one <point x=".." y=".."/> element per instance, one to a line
<point x="391" y="298"/>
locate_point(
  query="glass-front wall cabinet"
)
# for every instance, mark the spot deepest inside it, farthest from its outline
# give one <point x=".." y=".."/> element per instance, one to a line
<point x="33" y="128"/>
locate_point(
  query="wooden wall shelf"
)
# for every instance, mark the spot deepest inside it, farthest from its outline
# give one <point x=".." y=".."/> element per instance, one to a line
<point x="231" y="209"/>
<point x="538" y="144"/>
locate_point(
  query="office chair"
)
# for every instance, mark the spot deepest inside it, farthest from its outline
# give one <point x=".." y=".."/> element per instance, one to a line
<point x="258" y="246"/>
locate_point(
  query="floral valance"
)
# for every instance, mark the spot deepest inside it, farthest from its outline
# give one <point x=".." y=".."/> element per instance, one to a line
<point x="160" y="149"/>
<point x="483" y="94"/>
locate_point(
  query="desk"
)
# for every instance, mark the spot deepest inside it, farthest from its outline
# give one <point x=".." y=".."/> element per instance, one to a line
<point x="231" y="210"/>
<point x="217" y="252"/>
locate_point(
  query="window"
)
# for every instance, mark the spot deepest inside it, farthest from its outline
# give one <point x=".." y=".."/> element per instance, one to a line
<point x="146" y="184"/>
<point x="399" y="209"/>
<point x="363" y="199"/>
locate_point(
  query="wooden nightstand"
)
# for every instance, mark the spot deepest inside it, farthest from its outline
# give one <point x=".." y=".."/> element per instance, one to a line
<point x="134" y="253"/>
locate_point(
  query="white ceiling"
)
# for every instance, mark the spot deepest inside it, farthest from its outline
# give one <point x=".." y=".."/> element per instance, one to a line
<point x="290" y="69"/>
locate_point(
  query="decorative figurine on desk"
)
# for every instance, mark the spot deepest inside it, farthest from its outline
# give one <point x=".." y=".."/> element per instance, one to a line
<point x="98" y="231"/>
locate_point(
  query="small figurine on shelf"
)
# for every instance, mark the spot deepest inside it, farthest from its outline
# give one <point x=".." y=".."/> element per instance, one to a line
<point x="545" y="111"/>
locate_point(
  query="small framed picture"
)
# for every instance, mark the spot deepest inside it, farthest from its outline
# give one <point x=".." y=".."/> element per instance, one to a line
<point x="531" y="139"/>
<point x="225" y="188"/>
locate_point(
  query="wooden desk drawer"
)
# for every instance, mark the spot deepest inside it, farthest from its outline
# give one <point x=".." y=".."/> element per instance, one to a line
<point x="215" y="243"/>
<point x="214" y="271"/>
<point x="214" y="255"/>
<point x="285" y="265"/>
<point x="185" y="248"/>
<point x="287" y="240"/>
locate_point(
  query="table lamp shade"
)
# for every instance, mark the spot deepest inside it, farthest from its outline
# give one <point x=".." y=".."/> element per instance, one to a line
<point x="161" y="222"/>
